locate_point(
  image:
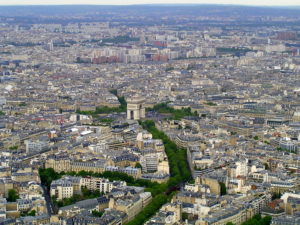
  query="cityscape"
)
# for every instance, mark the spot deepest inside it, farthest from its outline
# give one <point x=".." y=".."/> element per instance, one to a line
<point x="158" y="114"/>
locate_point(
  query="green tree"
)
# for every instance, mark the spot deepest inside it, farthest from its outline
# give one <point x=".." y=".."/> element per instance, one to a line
<point x="161" y="193"/>
<point x="266" y="220"/>
<point x="12" y="195"/>
<point x="185" y="216"/>
<point x="257" y="217"/>
<point x="48" y="175"/>
<point x="258" y="220"/>
<point x="177" y="114"/>
<point x="96" y="213"/>
<point x="169" y="68"/>
<point x="15" y="147"/>
<point x="138" y="165"/>
<point x="149" y="210"/>
<point x="266" y="166"/>
<point x="118" y="39"/>
<point x="32" y="213"/>
<point x="276" y="195"/>
<point x="223" y="188"/>
<point x="177" y="157"/>
<point x="210" y="103"/>
<point x="114" y="92"/>
<point x="105" y="109"/>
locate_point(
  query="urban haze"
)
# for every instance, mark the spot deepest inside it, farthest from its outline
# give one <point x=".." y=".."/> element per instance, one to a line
<point x="149" y="114"/>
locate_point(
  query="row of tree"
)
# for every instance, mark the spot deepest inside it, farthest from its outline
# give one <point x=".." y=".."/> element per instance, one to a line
<point x="48" y="175"/>
<point x="179" y="173"/>
<point x="161" y="193"/>
<point x="157" y="202"/>
<point x="105" y="109"/>
<point x="29" y="213"/>
<point x="156" y="189"/>
<point x="256" y="220"/>
<point x="119" y="39"/>
<point x="179" y="168"/>
<point x="177" y="114"/>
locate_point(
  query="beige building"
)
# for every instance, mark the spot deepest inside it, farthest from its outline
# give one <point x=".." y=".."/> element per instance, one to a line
<point x="97" y="183"/>
<point x="135" y="108"/>
<point x="25" y="177"/>
<point x="61" y="189"/>
<point x="66" y="165"/>
<point x="212" y="183"/>
<point x="236" y="215"/>
<point x="131" y="206"/>
<point x="5" y="186"/>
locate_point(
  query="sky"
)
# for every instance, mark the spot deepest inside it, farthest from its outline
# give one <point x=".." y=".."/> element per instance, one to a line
<point x="129" y="2"/>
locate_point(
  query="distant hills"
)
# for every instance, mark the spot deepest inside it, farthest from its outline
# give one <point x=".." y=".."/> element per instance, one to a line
<point x="149" y="10"/>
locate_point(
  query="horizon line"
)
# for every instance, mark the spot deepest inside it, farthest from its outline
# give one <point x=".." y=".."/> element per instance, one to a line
<point x="152" y="4"/>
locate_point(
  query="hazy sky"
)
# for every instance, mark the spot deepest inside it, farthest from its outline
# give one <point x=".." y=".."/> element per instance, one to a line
<point x="126" y="2"/>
